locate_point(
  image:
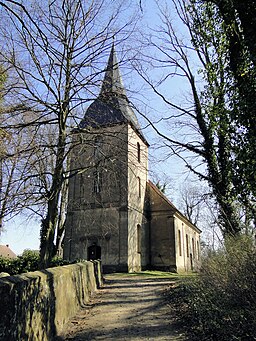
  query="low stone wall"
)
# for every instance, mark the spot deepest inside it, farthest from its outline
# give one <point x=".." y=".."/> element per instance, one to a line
<point x="36" y="306"/>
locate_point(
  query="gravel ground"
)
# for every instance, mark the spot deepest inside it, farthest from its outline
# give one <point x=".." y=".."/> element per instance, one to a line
<point x="126" y="308"/>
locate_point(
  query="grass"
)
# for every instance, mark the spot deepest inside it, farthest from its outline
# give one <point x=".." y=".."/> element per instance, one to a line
<point x="166" y="274"/>
<point x="158" y="274"/>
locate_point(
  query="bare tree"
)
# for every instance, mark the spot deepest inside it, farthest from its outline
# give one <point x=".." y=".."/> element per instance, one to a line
<point x="192" y="201"/>
<point x="55" y="52"/>
<point x="198" y="205"/>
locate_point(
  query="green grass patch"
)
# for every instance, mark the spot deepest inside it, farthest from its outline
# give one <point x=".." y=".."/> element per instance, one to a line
<point x="166" y="274"/>
<point x="157" y="274"/>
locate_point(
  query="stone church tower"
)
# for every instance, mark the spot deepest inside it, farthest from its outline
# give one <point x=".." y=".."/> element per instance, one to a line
<point x="109" y="164"/>
<point x="114" y="212"/>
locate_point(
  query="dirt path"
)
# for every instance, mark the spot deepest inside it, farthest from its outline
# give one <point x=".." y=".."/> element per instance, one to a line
<point x="126" y="308"/>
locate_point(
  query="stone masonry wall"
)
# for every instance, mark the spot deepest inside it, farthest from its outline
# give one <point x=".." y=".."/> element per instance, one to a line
<point x="37" y="305"/>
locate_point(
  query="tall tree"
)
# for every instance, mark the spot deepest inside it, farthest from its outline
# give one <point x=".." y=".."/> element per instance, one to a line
<point x="204" y="124"/>
<point x="239" y="20"/>
<point x="55" y="50"/>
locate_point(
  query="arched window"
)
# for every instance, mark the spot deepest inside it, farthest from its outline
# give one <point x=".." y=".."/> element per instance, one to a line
<point x="138" y="151"/>
<point x="193" y="247"/>
<point x="97" y="187"/>
<point x="138" y="238"/>
<point x="97" y="146"/>
<point x="179" y="241"/>
<point x="139" y="186"/>
<point x="187" y="246"/>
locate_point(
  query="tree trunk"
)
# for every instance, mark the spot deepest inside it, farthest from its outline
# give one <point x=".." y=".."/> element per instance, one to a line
<point x="49" y="224"/>
<point x="62" y="218"/>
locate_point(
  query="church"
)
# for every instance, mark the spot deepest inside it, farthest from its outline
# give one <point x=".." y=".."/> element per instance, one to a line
<point x="115" y="213"/>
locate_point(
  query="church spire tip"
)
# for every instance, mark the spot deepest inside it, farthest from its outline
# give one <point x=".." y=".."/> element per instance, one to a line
<point x="112" y="82"/>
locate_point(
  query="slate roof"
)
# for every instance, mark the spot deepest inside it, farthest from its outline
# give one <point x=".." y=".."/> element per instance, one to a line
<point x="112" y="105"/>
<point x="5" y="251"/>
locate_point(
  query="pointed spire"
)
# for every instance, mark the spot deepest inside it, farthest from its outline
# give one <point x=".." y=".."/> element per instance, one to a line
<point x="112" y="82"/>
<point x="112" y="105"/>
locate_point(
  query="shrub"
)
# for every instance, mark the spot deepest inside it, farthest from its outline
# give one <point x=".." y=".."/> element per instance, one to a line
<point x="7" y="265"/>
<point x="221" y="303"/>
<point x="28" y="261"/>
<point x="58" y="261"/>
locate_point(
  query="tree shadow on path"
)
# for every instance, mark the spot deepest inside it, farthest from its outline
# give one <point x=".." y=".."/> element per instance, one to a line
<point x="128" y="308"/>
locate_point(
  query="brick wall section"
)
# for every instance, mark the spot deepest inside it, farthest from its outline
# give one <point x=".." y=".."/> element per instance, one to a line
<point x="37" y="305"/>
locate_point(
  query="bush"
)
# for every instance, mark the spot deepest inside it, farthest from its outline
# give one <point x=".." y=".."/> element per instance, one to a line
<point x="6" y="265"/>
<point x="28" y="261"/>
<point x="58" y="261"/>
<point x="221" y="303"/>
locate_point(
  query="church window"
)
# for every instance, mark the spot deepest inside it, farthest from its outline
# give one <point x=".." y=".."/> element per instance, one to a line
<point x="193" y="247"/>
<point x="179" y="241"/>
<point x="138" y="151"/>
<point x="97" y="146"/>
<point x="97" y="182"/>
<point x="138" y="238"/>
<point x="139" y="186"/>
<point x="198" y="251"/>
<point x="187" y="248"/>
